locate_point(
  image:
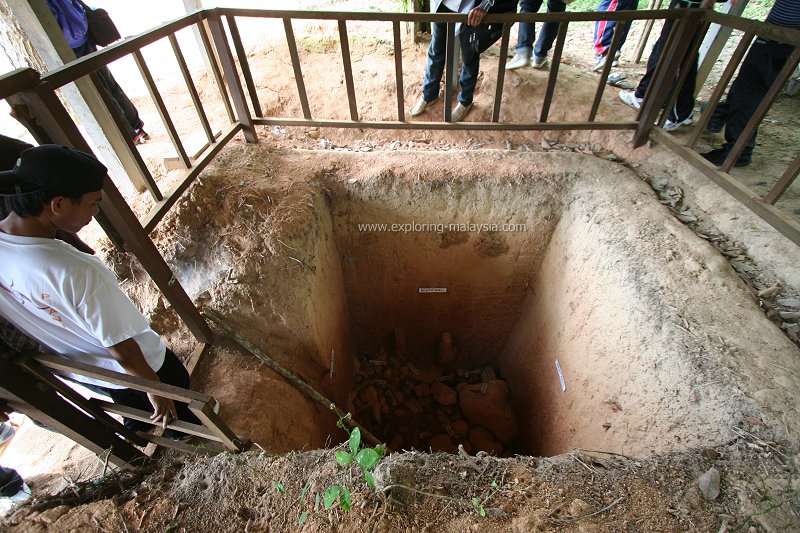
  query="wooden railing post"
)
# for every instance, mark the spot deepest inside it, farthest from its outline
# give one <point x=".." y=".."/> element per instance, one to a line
<point x="664" y="78"/>
<point x="232" y="76"/>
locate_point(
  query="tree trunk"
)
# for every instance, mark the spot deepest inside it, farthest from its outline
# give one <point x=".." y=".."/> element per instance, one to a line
<point x="421" y="6"/>
<point x="14" y="42"/>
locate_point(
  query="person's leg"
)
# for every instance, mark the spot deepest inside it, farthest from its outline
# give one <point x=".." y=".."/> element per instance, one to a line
<point x="527" y="32"/>
<point x="172" y="372"/>
<point x="604" y="29"/>
<point x="756" y="75"/>
<point x="470" y="66"/>
<point x="549" y="30"/>
<point x="652" y="60"/>
<point x="128" y="109"/>
<point x="121" y="105"/>
<point x="436" y="59"/>
<point x="684" y="104"/>
<point x="624" y="5"/>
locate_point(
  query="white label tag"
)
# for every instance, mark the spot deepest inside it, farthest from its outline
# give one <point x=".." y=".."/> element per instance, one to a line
<point x="432" y="289"/>
<point x="561" y="376"/>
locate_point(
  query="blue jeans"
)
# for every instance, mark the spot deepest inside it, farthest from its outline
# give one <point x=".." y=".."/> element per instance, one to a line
<point x="527" y="31"/>
<point x="470" y="62"/>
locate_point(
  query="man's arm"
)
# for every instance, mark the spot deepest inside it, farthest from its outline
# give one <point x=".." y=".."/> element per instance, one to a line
<point x="128" y="354"/>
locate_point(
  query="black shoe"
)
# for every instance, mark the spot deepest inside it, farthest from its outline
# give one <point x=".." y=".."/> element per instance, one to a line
<point x="717" y="157"/>
<point x="171" y="434"/>
<point x="714" y="126"/>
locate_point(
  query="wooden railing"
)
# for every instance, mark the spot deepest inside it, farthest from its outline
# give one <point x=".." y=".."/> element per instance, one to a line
<point x="35" y="97"/>
<point x="30" y="386"/>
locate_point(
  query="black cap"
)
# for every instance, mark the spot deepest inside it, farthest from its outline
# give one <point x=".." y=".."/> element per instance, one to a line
<point x="56" y="168"/>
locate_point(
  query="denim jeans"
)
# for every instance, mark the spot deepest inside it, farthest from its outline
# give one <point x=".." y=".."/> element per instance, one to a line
<point x="470" y="64"/>
<point x="527" y="31"/>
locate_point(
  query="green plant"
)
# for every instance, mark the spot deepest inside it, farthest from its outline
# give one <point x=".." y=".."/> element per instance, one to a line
<point x="478" y="503"/>
<point x="366" y="459"/>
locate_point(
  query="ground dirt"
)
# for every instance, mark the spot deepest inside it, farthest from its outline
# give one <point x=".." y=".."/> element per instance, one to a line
<point x="630" y="257"/>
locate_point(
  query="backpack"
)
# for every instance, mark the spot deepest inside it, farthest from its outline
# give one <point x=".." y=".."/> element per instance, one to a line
<point x="71" y="17"/>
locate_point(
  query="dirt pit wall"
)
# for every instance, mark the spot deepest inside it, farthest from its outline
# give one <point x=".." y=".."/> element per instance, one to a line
<point x="654" y="335"/>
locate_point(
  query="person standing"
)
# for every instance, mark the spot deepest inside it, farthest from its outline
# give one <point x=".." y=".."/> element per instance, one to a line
<point x="681" y="114"/>
<point x="758" y="72"/>
<point x="67" y="300"/>
<point x="604" y="30"/>
<point x="527" y="33"/>
<point x="71" y="18"/>
<point x="470" y="57"/>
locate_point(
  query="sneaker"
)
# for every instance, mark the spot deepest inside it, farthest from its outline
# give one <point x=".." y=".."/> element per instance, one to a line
<point x="672" y="126"/>
<point x="420" y="107"/>
<point x="141" y="137"/>
<point x="460" y="112"/>
<point x="717" y="158"/>
<point x="630" y="98"/>
<point x="600" y="62"/>
<point x="520" y="59"/>
<point x="6" y="432"/>
<point x="539" y="62"/>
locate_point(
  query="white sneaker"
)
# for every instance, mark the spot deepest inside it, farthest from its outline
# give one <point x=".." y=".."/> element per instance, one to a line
<point x="420" y="107"/>
<point x="600" y="62"/>
<point x="520" y="59"/>
<point x="539" y="62"/>
<point x="460" y="112"/>
<point x="672" y="126"/>
<point x="629" y="97"/>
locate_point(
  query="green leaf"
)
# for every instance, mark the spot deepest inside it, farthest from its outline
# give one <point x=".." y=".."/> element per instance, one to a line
<point x="345" y="501"/>
<point x="343" y="458"/>
<point x="381" y="449"/>
<point x="279" y="487"/>
<point x="481" y="511"/>
<point x="367" y="458"/>
<point x="493" y="484"/>
<point x="476" y="502"/>
<point x="331" y="494"/>
<point x="305" y="489"/>
<point x="316" y="503"/>
<point x="370" y="479"/>
<point x="355" y="440"/>
<point x="302" y="518"/>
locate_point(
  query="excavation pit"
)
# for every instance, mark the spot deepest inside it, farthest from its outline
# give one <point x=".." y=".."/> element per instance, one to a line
<point x="560" y="275"/>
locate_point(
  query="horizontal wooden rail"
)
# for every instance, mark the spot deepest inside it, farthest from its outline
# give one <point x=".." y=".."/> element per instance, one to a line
<point x="200" y="404"/>
<point x="762" y="29"/>
<point x="585" y="16"/>
<point x="62" y="364"/>
<point x="17" y="81"/>
<point x="421" y="125"/>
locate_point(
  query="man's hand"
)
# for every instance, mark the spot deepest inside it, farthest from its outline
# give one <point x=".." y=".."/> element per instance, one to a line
<point x="128" y="354"/>
<point x="163" y="410"/>
<point x="476" y="16"/>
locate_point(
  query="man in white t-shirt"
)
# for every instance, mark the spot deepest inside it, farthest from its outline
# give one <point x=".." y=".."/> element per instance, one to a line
<point x="66" y="299"/>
